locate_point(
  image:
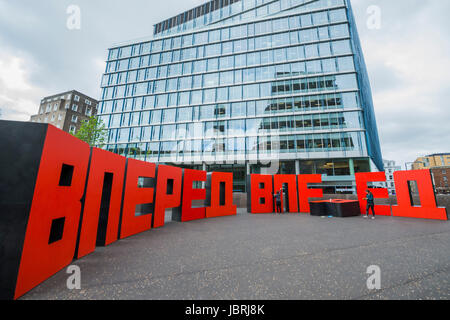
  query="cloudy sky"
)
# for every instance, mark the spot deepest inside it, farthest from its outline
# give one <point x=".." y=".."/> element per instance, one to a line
<point x="408" y="59"/>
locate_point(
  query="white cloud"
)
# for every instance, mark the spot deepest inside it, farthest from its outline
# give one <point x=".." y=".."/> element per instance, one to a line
<point x="18" y="97"/>
<point x="408" y="62"/>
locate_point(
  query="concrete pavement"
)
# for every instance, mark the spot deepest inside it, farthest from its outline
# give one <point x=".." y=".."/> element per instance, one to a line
<point x="291" y="256"/>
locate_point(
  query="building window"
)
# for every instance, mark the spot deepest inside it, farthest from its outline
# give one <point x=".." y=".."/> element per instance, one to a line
<point x="59" y="117"/>
<point x="88" y="102"/>
<point x="75" y="108"/>
<point x="88" y="112"/>
<point x="74" y="118"/>
<point x="55" y="107"/>
<point x="76" y="98"/>
<point x="72" y="129"/>
<point x="53" y="117"/>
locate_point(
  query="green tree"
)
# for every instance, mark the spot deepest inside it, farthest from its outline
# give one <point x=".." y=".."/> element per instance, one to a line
<point x="92" y="131"/>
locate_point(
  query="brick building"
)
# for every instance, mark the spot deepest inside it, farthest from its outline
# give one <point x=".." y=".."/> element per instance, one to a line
<point x="66" y="110"/>
<point x="441" y="177"/>
<point x="439" y="164"/>
<point x="432" y="161"/>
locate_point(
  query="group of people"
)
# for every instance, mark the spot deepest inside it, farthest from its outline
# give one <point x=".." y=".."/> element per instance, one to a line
<point x="369" y="198"/>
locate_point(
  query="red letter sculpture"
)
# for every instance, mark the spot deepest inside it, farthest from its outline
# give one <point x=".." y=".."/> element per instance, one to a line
<point x="138" y="197"/>
<point x="168" y="192"/>
<point x="304" y="193"/>
<point x="428" y="208"/>
<point x="52" y="229"/>
<point x="186" y="212"/>
<point x="101" y="214"/>
<point x="260" y="193"/>
<point x="292" y="197"/>
<point x="362" y="179"/>
<point x="219" y="186"/>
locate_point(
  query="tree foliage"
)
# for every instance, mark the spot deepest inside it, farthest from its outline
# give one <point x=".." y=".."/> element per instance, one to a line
<point x="92" y="131"/>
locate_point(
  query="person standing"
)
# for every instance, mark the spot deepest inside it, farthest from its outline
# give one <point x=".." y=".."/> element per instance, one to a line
<point x="278" y="202"/>
<point x="370" y="204"/>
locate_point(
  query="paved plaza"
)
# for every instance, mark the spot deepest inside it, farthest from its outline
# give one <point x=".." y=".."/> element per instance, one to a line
<point x="290" y="256"/>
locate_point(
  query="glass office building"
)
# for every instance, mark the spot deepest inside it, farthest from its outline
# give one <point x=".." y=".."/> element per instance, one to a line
<point x="238" y="85"/>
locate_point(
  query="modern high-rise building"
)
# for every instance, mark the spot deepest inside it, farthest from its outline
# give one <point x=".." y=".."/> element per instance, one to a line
<point x="241" y="85"/>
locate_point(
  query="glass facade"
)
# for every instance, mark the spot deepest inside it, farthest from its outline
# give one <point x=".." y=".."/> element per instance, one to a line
<point x="242" y="82"/>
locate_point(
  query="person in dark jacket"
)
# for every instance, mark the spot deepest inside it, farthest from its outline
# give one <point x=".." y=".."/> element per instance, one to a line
<point x="370" y="204"/>
<point x="278" y="202"/>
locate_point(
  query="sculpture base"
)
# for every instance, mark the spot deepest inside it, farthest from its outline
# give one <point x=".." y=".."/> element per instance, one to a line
<point x="336" y="208"/>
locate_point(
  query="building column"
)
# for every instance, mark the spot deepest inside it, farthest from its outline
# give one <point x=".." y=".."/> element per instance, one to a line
<point x="352" y="167"/>
<point x="351" y="164"/>
<point x="297" y="166"/>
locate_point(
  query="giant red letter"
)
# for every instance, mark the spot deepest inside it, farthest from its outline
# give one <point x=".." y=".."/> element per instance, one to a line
<point x="186" y="212"/>
<point x="219" y="186"/>
<point x="260" y="193"/>
<point x="103" y="197"/>
<point x="428" y="208"/>
<point x="168" y="192"/>
<point x="53" y="223"/>
<point x="292" y="195"/>
<point x="138" y="197"/>
<point x="362" y="179"/>
<point x="304" y="193"/>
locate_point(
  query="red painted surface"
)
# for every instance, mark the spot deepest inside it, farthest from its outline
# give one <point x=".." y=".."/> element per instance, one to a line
<point x="428" y="208"/>
<point x="134" y="196"/>
<point x="188" y="213"/>
<point x="291" y="180"/>
<point x="40" y="260"/>
<point x="216" y="209"/>
<point x="381" y="193"/>
<point x="304" y="193"/>
<point x="261" y="193"/>
<point x="101" y="162"/>
<point x="163" y="200"/>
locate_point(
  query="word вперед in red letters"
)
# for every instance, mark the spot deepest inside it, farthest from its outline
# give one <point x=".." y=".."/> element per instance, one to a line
<point x="63" y="198"/>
